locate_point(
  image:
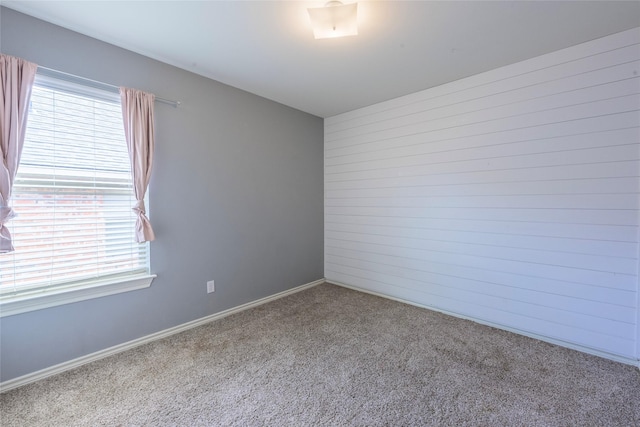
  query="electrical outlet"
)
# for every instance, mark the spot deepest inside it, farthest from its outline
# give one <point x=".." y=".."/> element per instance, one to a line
<point x="211" y="287"/>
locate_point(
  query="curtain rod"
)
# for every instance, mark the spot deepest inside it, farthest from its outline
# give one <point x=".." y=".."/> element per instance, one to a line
<point x="99" y="85"/>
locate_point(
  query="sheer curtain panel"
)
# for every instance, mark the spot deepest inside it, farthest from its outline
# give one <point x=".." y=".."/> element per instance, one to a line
<point x="137" y="113"/>
<point x="16" y="81"/>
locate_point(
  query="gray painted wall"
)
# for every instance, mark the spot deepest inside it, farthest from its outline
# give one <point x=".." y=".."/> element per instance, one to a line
<point x="236" y="196"/>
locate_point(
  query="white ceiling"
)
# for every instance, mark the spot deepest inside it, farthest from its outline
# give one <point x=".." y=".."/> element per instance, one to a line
<point x="267" y="47"/>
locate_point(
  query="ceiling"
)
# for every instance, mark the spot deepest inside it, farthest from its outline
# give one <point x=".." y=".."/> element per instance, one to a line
<point x="267" y="47"/>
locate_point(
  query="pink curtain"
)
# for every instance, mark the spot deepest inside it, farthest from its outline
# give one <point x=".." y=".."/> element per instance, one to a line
<point x="137" y="113"/>
<point x="16" y="81"/>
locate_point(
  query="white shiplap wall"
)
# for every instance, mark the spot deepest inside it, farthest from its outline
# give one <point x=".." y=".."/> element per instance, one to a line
<point x="511" y="197"/>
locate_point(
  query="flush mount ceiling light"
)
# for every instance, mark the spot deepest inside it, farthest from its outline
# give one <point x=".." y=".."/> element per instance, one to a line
<point x="334" y="20"/>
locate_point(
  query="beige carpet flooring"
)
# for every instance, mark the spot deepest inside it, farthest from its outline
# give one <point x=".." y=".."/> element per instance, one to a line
<point x="329" y="356"/>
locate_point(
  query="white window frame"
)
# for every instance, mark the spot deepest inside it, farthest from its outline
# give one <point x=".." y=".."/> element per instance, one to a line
<point x="80" y="290"/>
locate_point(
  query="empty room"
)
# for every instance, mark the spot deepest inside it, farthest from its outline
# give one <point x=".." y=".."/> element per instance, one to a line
<point x="312" y="213"/>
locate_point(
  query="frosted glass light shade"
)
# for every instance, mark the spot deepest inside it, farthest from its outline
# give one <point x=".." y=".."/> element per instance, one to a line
<point x="334" y="21"/>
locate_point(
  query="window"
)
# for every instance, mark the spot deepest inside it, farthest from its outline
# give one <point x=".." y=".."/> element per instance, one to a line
<point x="74" y="230"/>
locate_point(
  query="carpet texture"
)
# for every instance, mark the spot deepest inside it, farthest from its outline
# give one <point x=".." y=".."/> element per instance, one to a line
<point x="329" y="356"/>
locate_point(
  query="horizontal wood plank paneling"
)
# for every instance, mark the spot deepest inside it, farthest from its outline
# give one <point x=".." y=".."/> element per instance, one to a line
<point x="512" y="197"/>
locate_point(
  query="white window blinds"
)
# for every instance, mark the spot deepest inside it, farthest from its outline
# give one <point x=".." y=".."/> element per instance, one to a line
<point x="72" y="195"/>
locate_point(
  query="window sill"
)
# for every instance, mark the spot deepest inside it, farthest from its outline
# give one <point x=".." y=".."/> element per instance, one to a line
<point x="22" y="304"/>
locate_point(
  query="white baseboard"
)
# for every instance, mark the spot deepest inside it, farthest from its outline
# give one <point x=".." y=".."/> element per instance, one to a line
<point x="560" y="343"/>
<point x="72" y="364"/>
